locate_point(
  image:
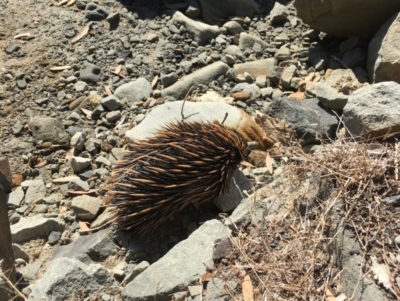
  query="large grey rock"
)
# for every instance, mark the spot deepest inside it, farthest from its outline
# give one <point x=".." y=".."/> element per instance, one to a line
<point x="384" y="52"/>
<point x="34" y="227"/>
<point x="49" y="129"/>
<point x="306" y="117"/>
<point x="94" y="247"/>
<point x="222" y="9"/>
<point x="374" y="110"/>
<point x="70" y="279"/>
<point x="181" y="266"/>
<point x="136" y="90"/>
<point x="247" y="41"/>
<point x="256" y="68"/>
<point x="343" y="18"/>
<point x="193" y="111"/>
<point x="202" y="33"/>
<point x="199" y="77"/>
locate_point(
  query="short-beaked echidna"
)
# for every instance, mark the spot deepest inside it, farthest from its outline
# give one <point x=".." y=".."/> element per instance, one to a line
<point x="182" y="164"/>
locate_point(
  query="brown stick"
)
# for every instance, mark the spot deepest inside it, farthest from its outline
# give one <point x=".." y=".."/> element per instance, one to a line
<point x="6" y="250"/>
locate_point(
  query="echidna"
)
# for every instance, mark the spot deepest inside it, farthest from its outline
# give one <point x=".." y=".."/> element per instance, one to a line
<point x="183" y="164"/>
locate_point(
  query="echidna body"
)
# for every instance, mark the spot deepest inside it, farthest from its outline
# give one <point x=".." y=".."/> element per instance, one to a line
<point x="184" y="163"/>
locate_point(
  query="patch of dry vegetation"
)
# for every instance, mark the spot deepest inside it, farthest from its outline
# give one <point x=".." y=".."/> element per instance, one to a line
<point x="288" y="259"/>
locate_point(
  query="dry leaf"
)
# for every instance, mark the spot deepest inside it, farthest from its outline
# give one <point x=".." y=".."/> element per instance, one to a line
<point x="71" y="2"/>
<point x="81" y="34"/>
<point x="87" y="112"/>
<point x="247" y="288"/>
<point x="60" y="68"/>
<point x="41" y="164"/>
<point x="381" y="274"/>
<point x="84" y="227"/>
<point x="118" y="69"/>
<point x="108" y="91"/>
<point x="65" y="179"/>
<point x="154" y="81"/>
<point x="36" y="19"/>
<point x="268" y="163"/>
<point x="21" y="35"/>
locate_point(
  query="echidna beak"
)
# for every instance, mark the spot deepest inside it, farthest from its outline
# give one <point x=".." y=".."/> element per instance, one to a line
<point x="246" y="164"/>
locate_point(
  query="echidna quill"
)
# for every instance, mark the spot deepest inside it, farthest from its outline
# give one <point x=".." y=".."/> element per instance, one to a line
<point x="183" y="164"/>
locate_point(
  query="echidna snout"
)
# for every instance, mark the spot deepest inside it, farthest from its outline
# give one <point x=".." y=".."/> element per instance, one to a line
<point x="184" y="163"/>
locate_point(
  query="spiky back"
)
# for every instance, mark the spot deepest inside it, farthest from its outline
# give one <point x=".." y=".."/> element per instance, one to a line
<point x="184" y="163"/>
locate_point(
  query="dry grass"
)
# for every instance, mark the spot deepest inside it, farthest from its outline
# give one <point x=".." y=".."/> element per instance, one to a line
<point x="287" y="259"/>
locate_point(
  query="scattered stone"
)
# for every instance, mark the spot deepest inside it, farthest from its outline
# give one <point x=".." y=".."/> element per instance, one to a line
<point x="233" y="27"/>
<point x="12" y="48"/>
<point x="69" y="277"/>
<point x="198" y="249"/>
<point x="256" y="68"/>
<point x="91" y="73"/>
<point x="306" y="117"/>
<point x="15" y="198"/>
<point x="78" y="185"/>
<point x="384" y="52"/>
<point x="169" y="79"/>
<point x="199" y="77"/>
<point x="373" y="111"/>
<point x="86" y="207"/>
<point x="78" y="140"/>
<point x="34" y="227"/>
<point x="247" y="41"/>
<point x="136" y="90"/>
<point x="112" y="103"/>
<point x="95" y="12"/>
<point x="49" y="130"/>
<point x="279" y="13"/>
<point x="95" y="247"/>
<point x="202" y="33"/>
<point x="30" y="271"/>
<point x="36" y="189"/>
<point x="330" y="98"/>
<point x="79" y="163"/>
<point x="135" y="272"/>
<point x="54" y="237"/>
<point x="219" y="289"/>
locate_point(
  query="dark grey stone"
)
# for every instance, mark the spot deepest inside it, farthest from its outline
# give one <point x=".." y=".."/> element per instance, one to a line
<point x="306" y="117"/>
<point x="95" y="12"/>
<point x="91" y="73"/>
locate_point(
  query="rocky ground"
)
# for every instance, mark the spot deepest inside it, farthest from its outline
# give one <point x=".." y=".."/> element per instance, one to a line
<point x="79" y="80"/>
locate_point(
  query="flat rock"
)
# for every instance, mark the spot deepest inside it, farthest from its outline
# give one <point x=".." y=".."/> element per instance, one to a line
<point x="86" y="207"/>
<point x="199" y="77"/>
<point x="374" y="110"/>
<point x="34" y="227"/>
<point x="49" y="130"/>
<point x="338" y="17"/>
<point x="202" y="33"/>
<point x="79" y="163"/>
<point x="139" y="89"/>
<point x="162" y="276"/>
<point x="96" y="247"/>
<point x="256" y="68"/>
<point x="67" y="277"/>
<point x="384" y="52"/>
<point x="90" y="74"/>
<point x="16" y="197"/>
<point x="306" y="117"/>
